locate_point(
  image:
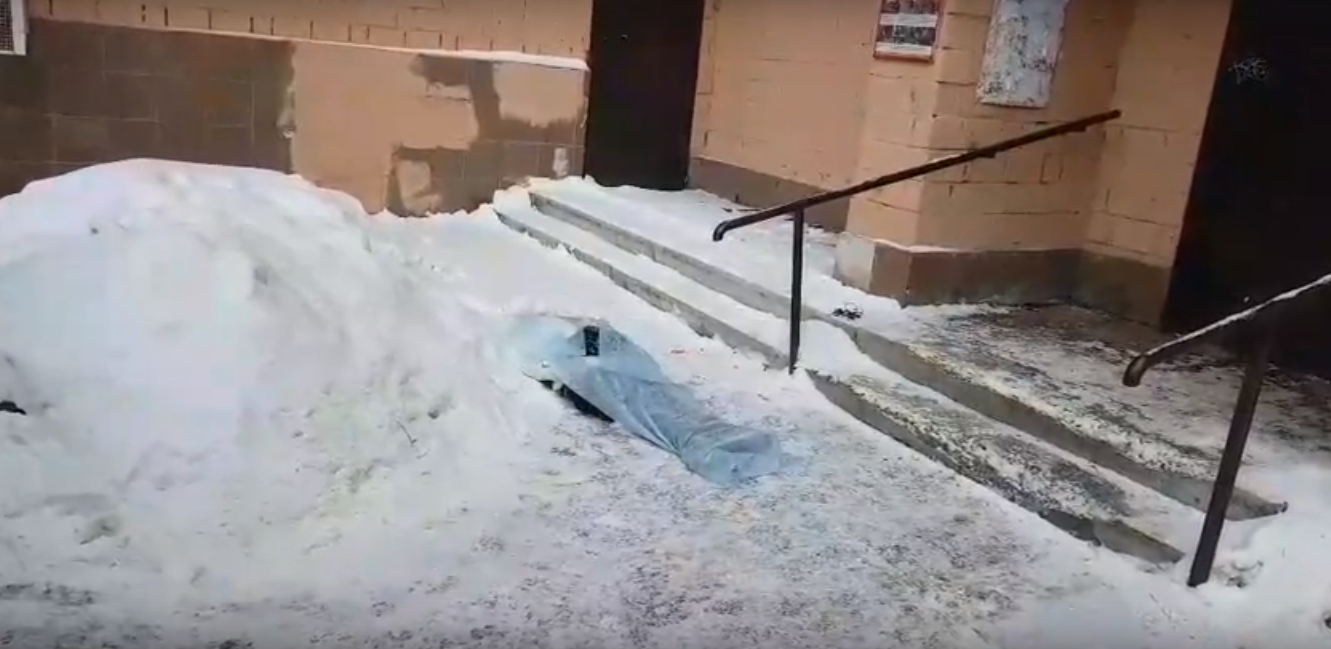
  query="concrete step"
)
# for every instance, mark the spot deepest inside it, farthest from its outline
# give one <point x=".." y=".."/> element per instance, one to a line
<point x="1179" y="472"/>
<point x="1088" y="502"/>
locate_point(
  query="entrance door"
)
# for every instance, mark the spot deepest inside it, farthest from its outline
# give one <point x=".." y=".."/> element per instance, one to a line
<point x="1259" y="215"/>
<point x="644" y="73"/>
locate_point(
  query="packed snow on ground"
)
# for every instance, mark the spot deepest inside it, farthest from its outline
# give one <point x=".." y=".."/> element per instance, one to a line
<point x="1261" y="563"/>
<point x="760" y="253"/>
<point x="258" y="415"/>
<point x="702" y="211"/>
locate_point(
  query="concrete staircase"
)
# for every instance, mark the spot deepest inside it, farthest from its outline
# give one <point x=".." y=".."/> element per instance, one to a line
<point x="1062" y="470"/>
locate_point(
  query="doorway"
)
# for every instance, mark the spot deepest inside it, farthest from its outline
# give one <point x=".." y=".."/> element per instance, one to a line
<point x="644" y="75"/>
<point x="1258" y="220"/>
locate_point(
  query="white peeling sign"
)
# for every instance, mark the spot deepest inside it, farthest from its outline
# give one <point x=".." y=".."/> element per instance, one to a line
<point x="1021" y="53"/>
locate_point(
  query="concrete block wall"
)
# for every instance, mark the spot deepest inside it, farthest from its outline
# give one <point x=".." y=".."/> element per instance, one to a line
<point x="283" y="85"/>
<point x="899" y="106"/>
<point x="781" y="101"/>
<point x="1030" y="198"/>
<point x="88" y="93"/>
<point x="1003" y="229"/>
<point x="1035" y="197"/>
<point x="1093" y="217"/>
<point x="1164" y="87"/>
<point x="556" y="27"/>
<point x="702" y="107"/>
<point x="793" y="79"/>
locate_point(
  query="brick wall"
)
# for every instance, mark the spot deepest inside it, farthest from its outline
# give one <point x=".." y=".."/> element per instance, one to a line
<point x="1031" y="198"/>
<point x="1036" y="197"/>
<point x="789" y="85"/>
<point x="1095" y="215"/>
<point x="1164" y="89"/>
<point x="899" y="114"/>
<point x="782" y="99"/>
<point x="702" y="106"/>
<point x="1079" y="215"/>
<point x="412" y="130"/>
<point x="554" y="27"/>
<point x="1164" y="82"/>
<point x="91" y="93"/>
<point x="431" y="132"/>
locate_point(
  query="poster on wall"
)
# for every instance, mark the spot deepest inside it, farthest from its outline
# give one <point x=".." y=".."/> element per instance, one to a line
<point x="1021" y="53"/>
<point x="908" y="29"/>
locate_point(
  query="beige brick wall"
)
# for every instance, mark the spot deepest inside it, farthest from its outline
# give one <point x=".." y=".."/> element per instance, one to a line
<point x="798" y="95"/>
<point x="783" y="84"/>
<point x="1037" y="197"/>
<point x="1163" y="88"/>
<point x="899" y="111"/>
<point x="553" y="27"/>
<point x="899" y="114"/>
<point x="405" y="129"/>
<point x="702" y="106"/>
<point x="426" y="138"/>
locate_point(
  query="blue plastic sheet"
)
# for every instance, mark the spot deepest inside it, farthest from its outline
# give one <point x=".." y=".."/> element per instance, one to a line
<point x="623" y="381"/>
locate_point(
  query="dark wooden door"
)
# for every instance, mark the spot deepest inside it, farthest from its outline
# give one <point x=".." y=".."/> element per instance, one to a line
<point x="1259" y="215"/>
<point x="644" y="73"/>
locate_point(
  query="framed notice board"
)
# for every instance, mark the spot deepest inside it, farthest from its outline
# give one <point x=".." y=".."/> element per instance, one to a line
<point x="908" y="29"/>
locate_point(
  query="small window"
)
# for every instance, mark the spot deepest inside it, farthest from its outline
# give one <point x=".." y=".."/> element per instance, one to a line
<point x="13" y="28"/>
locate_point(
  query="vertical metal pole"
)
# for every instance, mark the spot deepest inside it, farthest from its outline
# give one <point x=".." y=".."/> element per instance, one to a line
<point x="1232" y="457"/>
<point x="796" y="289"/>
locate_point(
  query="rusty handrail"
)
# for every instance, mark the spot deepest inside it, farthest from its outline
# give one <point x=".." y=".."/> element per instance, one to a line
<point x="797" y="208"/>
<point x="989" y="151"/>
<point x="1266" y="317"/>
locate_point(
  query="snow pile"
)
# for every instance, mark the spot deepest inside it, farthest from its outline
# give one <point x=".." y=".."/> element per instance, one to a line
<point x="213" y="362"/>
<point x="257" y="414"/>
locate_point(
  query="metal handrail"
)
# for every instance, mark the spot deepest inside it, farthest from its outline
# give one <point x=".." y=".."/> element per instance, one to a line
<point x="945" y="162"/>
<point x="1132" y="376"/>
<point x="797" y="208"/>
<point x="1266" y="317"/>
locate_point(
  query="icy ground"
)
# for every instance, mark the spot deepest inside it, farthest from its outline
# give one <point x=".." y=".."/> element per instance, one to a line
<point x="1273" y="571"/>
<point x="258" y="417"/>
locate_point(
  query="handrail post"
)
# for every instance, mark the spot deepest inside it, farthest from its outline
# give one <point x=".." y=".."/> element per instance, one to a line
<point x="1231" y="459"/>
<point x="796" y="288"/>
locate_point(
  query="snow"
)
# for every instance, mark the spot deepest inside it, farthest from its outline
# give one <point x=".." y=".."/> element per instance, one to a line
<point x="766" y="263"/>
<point x="1177" y="419"/>
<point x="504" y="56"/>
<point x="701" y="212"/>
<point x="1271" y="573"/>
<point x="257" y="414"/>
<point x="1176" y="423"/>
<point x="180" y="346"/>
<point x="1288" y="456"/>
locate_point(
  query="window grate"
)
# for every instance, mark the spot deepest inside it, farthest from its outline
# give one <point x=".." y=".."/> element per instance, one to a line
<point x="7" y="40"/>
<point x="13" y="27"/>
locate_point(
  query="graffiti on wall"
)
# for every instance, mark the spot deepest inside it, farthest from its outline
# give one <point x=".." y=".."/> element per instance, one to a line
<point x="1250" y="69"/>
<point x="1021" y="53"/>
